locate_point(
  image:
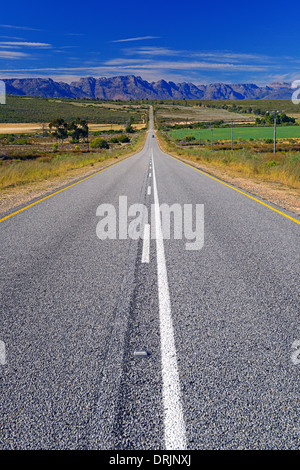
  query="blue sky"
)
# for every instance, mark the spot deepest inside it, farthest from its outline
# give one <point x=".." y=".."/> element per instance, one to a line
<point x="199" y="42"/>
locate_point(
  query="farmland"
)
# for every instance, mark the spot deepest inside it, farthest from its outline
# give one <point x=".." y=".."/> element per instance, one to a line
<point x="36" y="128"/>
<point x="239" y="111"/>
<point x="235" y="140"/>
<point x="239" y="132"/>
<point x="32" y="151"/>
<point x="170" y="114"/>
<point x="210" y="110"/>
<point x="24" y="109"/>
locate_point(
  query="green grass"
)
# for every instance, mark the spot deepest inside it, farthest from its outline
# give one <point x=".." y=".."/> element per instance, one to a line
<point x="282" y="132"/>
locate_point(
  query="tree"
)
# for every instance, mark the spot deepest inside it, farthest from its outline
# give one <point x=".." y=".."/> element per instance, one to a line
<point x="60" y="129"/>
<point x="79" y="129"/>
<point x="129" y="127"/>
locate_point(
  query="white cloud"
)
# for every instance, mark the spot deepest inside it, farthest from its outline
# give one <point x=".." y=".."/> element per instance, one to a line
<point x="25" y="44"/>
<point x="12" y="38"/>
<point x="155" y="63"/>
<point x="26" y="28"/>
<point x="154" y="51"/>
<point x="180" y="65"/>
<point x="12" y="55"/>
<point x="207" y="55"/>
<point x="141" y="38"/>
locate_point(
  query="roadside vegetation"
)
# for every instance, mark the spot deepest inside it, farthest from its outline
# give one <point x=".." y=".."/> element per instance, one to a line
<point x="62" y="147"/>
<point x="237" y="137"/>
<point x="237" y="147"/>
<point x="254" y="160"/>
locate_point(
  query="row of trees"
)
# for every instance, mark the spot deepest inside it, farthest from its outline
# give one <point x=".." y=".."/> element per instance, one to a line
<point x="281" y="118"/>
<point x="77" y="129"/>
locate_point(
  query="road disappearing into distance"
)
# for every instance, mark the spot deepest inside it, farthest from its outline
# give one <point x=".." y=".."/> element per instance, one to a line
<point x="182" y="342"/>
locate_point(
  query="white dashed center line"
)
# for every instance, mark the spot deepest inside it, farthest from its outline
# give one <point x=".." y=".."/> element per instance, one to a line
<point x="2" y="353"/>
<point x="174" y="426"/>
<point x="146" y="244"/>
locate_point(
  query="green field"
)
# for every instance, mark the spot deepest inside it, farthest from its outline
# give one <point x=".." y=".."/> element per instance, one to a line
<point x="245" y="133"/>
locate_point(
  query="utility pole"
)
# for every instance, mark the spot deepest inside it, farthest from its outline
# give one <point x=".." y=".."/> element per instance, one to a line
<point x="231" y="135"/>
<point x="275" y="123"/>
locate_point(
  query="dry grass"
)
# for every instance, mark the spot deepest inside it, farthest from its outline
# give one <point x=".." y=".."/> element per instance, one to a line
<point x="284" y="167"/>
<point x="274" y="178"/>
<point x="20" y="173"/>
<point x="115" y="127"/>
<point x="188" y="114"/>
<point x="20" y="128"/>
<point x="30" y="127"/>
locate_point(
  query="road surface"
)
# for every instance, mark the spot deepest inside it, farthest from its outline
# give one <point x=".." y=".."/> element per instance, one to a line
<point x="136" y="343"/>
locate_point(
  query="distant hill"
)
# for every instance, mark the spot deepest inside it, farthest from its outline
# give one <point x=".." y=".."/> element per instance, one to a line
<point x="131" y="87"/>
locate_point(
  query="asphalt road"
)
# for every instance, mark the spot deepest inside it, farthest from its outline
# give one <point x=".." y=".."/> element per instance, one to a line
<point x="140" y="343"/>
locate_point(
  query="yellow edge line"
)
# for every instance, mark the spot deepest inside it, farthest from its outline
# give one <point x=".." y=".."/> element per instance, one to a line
<point x="235" y="189"/>
<point x="57" y="192"/>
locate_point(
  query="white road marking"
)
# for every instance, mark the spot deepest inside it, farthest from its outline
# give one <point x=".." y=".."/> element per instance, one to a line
<point x="149" y="175"/>
<point x="149" y="190"/>
<point x="2" y="353"/>
<point x="174" y="426"/>
<point x="146" y="244"/>
<point x="142" y="353"/>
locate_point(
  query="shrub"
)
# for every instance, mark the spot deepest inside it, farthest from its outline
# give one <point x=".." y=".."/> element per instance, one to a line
<point x="124" y="138"/>
<point x="99" y="143"/>
<point x="190" y="138"/>
<point x="20" y="142"/>
<point x="271" y="164"/>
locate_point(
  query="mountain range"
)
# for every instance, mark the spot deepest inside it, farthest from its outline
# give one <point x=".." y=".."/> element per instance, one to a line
<point x="135" y="88"/>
